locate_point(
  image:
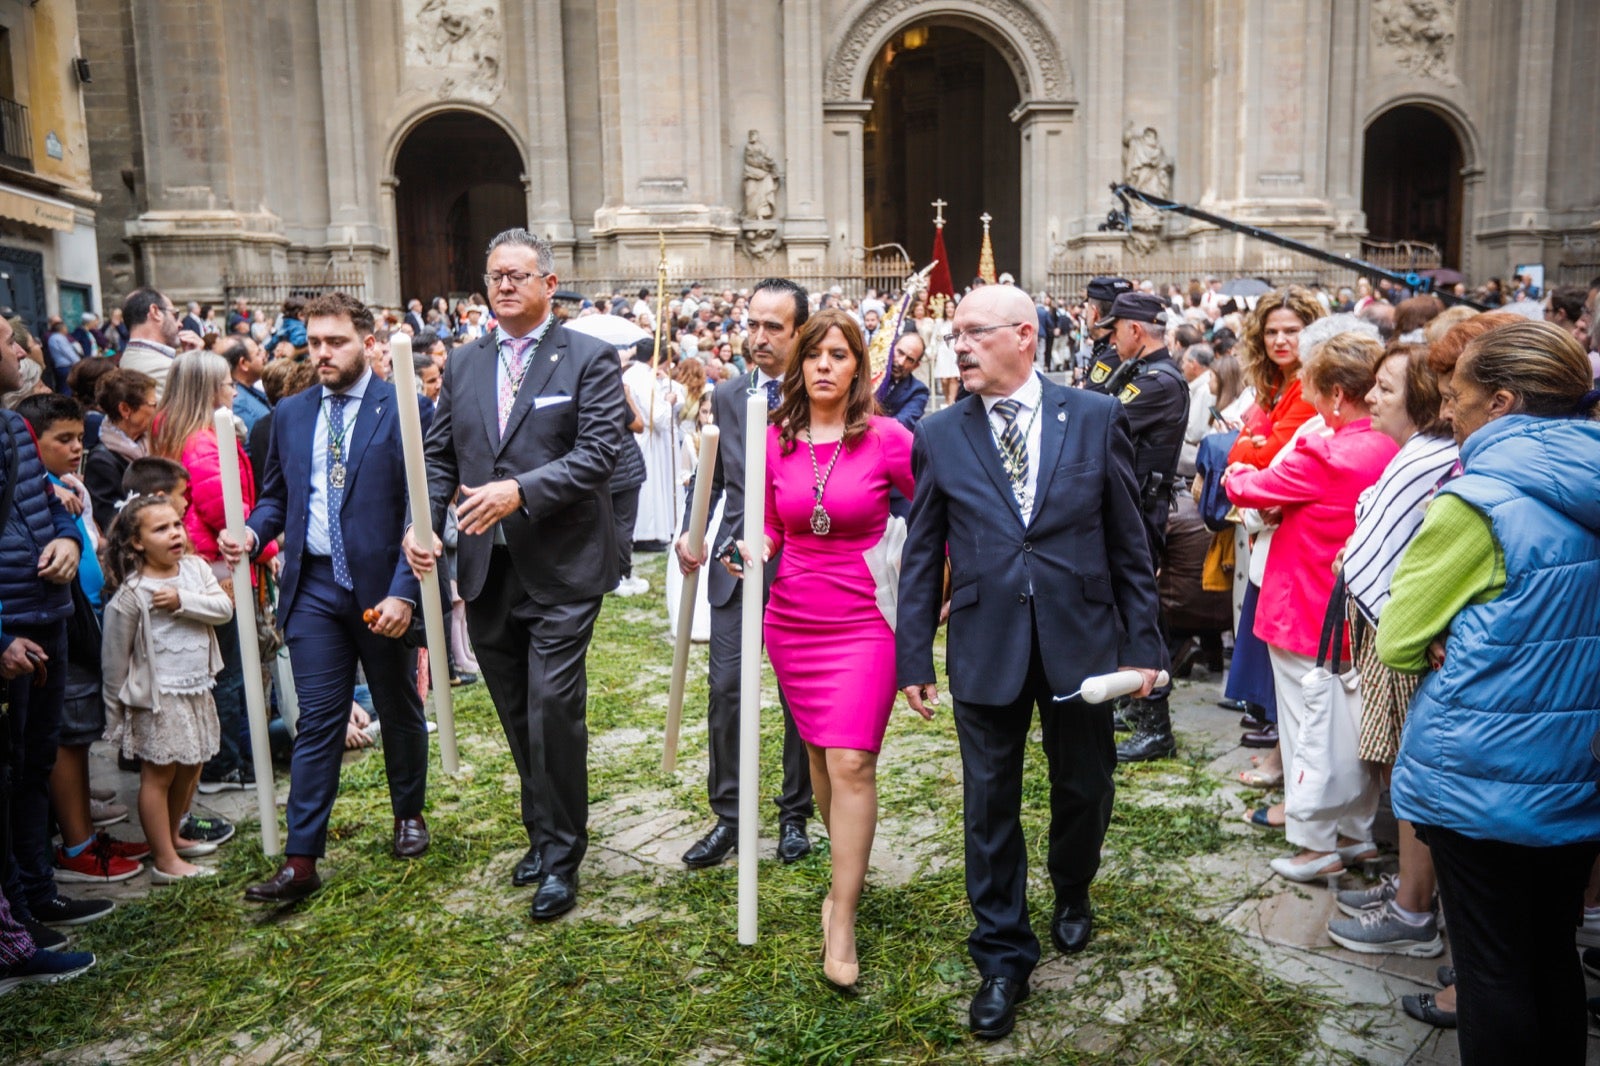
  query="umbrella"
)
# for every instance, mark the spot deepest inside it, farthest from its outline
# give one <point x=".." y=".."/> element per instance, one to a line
<point x="1245" y="287"/>
<point x="613" y="329"/>
<point x="1443" y="277"/>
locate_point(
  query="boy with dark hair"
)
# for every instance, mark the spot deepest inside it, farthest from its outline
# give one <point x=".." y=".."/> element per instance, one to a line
<point x="155" y="476"/>
<point x="84" y="854"/>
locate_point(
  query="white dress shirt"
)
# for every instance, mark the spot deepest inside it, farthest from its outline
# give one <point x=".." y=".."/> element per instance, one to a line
<point x="1029" y="396"/>
<point x="317" y="542"/>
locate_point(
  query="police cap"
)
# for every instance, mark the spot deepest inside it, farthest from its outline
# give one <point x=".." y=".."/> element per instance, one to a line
<point x="1108" y="289"/>
<point x="1138" y="306"/>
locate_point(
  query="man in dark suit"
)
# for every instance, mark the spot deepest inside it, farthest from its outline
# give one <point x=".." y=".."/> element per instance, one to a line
<point x="778" y="309"/>
<point x="902" y="395"/>
<point x="1030" y="485"/>
<point x="414" y="317"/>
<point x="334" y="486"/>
<point x="527" y="430"/>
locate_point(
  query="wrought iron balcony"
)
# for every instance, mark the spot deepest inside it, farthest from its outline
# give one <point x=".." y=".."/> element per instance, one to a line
<point x="16" y="136"/>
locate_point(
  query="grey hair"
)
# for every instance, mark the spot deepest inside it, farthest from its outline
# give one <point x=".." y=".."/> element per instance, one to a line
<point x="1331" y="326"/>
<point x="1200" y="353"/>
<point x="522" y="238"/>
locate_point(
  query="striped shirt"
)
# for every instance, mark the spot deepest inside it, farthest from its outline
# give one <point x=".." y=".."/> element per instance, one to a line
<point x="1388" y="515"/>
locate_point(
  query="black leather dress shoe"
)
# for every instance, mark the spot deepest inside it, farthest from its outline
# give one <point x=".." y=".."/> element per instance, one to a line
<point x="530" y="870"/>
<point x="283" y="887"/>
<point x="556" y="896"/>
<point x="1261" y="738"/>
<point x="793" y="844"/>
<point x="411" y="837"/>
<point x="994" y="1008"/>
<point x="1073" y="926"/>
<point x="712" y="848"/>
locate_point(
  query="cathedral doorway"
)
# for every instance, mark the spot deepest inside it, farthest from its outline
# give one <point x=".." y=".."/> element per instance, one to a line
<point x="458" y="182"/>
<point x="940" y="128"/>
<point x="1411" y="182"/>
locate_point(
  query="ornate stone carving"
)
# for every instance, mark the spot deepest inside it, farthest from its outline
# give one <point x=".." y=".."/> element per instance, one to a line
<point x="1422" y="34"/>
<point x="1147" y="167"/>
<point x="1015" y="21"/>
<point x="760" y="241"/>
<point x="761" y="180"/>
<point x="453" y="48"/>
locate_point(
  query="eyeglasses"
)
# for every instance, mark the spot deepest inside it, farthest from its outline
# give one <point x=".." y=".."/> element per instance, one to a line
<point x="517" y="278"/>
<point x="977" y="331"/>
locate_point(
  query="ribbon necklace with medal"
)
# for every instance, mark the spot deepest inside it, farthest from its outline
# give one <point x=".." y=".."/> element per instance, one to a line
<point x="1016" y="466"/>
<point x="820" y="522"/>
<point x="336" y="471"/>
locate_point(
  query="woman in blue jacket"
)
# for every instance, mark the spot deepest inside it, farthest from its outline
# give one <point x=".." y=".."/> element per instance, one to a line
<point x="1497" y="593"/>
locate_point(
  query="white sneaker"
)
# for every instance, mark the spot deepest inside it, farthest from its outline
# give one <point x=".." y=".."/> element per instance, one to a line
<point x="1589" y="931"/>
<point x="631" y="586"/>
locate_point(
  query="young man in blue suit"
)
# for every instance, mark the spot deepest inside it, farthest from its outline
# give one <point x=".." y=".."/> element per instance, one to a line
<point x="1030" y="487"/>
<point x="335" y="487"/>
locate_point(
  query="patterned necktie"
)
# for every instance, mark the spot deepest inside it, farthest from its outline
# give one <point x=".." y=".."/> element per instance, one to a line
<point x="1013" y="445"/>
<point x="512" y="380"/>
<point x="772" y="395"/>
<point x="336" y="461"/>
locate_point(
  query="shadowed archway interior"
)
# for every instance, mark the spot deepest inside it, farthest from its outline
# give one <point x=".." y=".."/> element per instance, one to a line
<point x="940" y="129"/>
<point x="1411" y="180"/>
<point x="459" y="183"/>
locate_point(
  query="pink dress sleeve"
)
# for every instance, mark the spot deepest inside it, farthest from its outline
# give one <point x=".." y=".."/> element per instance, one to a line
<point x="1302" y="476"/>
<point x="774" y="524"/>
<point x="897" y="455"/>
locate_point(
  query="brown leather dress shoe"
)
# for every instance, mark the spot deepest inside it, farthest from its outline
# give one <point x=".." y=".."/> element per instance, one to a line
<point x="283" y="887"/>
<point x="410" y="837"/>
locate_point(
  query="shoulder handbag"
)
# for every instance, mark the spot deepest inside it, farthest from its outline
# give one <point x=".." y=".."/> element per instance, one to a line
<point x="1211" y="462"/>
<point x="1329" y="777"/>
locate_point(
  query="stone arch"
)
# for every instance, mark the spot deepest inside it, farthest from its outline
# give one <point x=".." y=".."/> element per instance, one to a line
<point x="1022" y="38"/>
<point x="409" y="123"/>
<point x="1452" y="113"/>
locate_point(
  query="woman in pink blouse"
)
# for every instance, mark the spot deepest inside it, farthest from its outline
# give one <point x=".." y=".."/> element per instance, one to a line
<point x="1315" y="487"/>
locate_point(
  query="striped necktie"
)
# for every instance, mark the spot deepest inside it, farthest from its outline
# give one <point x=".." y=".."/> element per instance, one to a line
<point x="1013" y="445"/>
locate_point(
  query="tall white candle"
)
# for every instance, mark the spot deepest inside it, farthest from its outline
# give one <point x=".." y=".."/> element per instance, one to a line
<point x="709" y="436"/>
<point x="405" y="387"/>
<point x="255" y="697"/>
<point x="755" y="506"/>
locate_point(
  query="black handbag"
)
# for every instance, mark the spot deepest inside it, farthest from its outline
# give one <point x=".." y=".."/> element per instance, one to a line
<point x="83" y="631"/>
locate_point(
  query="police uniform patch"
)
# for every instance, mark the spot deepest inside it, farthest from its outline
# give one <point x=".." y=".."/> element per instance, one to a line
<point x="1099" y="373"/>
<point x="1129" y="391"/>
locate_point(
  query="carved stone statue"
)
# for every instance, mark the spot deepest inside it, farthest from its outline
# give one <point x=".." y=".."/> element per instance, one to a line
<point x="1147" y="167"/>
<point x="1421" y="32"/>
<point x="761" y="180"/>
<point x="760" y="242"/>
<point x="453" y="47"/>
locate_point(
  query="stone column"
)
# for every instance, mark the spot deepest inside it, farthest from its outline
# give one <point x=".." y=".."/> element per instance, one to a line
<point x="1105" y="31"/>
<point x="535" y="32"/>
<point x="805" y="224"/>
<point x="1046" y="129"/>
<point x="353" y="220"/>
<point x="843" y="124"/>
<point x="669" y="139"/>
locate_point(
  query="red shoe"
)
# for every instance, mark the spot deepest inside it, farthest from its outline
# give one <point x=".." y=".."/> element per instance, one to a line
<point x="126" y="849"/>
<point x="97" y="863"/>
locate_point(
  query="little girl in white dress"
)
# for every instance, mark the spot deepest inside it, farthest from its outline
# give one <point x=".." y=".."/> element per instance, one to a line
<point x="160" y="659"/>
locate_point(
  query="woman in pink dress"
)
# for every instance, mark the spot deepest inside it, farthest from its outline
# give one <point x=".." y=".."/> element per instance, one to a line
<point x="830" y="463"/>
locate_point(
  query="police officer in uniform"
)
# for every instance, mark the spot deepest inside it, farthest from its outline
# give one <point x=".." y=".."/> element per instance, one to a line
<point x="1104" y="374"/>
<point x="1155" y="395"/>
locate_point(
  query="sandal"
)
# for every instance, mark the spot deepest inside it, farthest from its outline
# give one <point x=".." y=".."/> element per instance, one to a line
<point x="1261" y="779"/>
<point x="1262" y="819"/>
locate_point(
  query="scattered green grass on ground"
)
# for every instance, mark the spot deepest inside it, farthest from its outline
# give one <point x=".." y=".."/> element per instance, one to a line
<point x="436" y="960"/>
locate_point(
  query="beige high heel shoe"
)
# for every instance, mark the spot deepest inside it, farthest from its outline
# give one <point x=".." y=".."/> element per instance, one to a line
<point x="842" y="975"/>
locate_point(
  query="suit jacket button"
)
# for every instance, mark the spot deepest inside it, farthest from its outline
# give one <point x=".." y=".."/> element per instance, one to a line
<point x="1022" y="597"/>
<point x="1027" y="546"/>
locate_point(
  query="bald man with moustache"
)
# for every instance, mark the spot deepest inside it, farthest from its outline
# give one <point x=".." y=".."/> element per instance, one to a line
<point x="1031" y="487"/>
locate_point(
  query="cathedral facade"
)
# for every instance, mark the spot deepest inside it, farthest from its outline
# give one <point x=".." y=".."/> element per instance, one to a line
<point x="389" y="138"/>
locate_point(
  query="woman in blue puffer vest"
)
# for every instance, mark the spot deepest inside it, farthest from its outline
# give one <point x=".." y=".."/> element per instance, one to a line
<point x="1498" y="593"/>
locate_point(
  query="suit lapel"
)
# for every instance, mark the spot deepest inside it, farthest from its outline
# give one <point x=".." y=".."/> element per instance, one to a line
<point x="375" y="406"/>
<point x="545" y="358"/>
<point x="1052" y="435"/>
<point x="975" y="423"/>
<point x="485" y="382"/>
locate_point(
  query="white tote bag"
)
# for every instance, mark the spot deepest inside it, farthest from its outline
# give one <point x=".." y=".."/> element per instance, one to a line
<point x="1329" y="777"/>
<point x="883" y="560"/>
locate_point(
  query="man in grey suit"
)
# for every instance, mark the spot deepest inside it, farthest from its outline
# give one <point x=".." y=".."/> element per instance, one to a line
<point x="778" y="308"/>
<point x="527" y="430"/>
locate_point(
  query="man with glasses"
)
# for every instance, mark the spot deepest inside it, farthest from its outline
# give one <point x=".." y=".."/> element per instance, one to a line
<point x="778" y="308"/>
<point x="154" y="336"/>
<point x="527" y="431"/>
<point x="1027" y="488"/>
